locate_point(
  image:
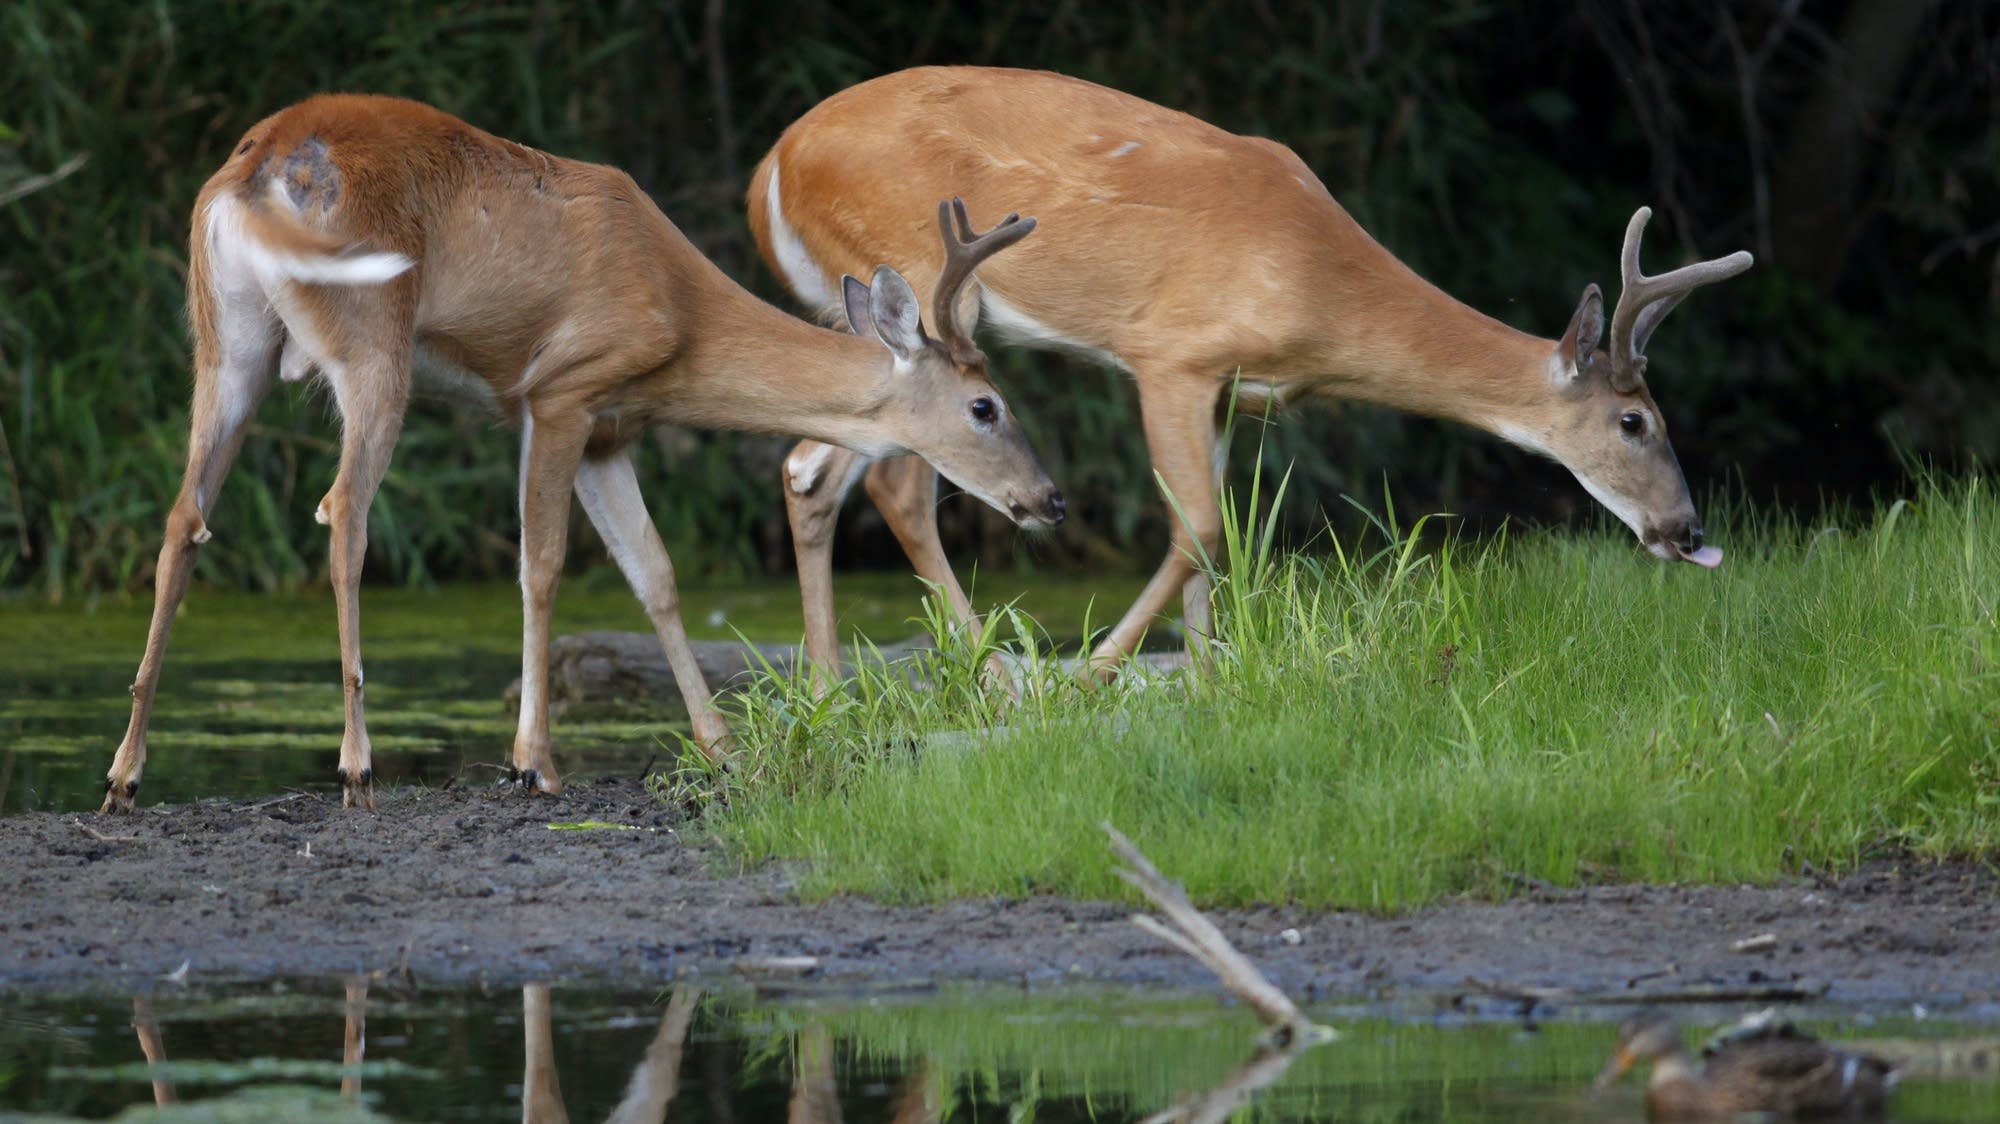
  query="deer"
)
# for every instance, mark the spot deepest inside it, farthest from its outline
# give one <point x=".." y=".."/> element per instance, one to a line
<point x="384" y="246"/>
<point x="1196" y="261"/>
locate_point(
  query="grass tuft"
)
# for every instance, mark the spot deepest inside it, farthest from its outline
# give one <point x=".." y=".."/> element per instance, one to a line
<point x="1387" y="725"/>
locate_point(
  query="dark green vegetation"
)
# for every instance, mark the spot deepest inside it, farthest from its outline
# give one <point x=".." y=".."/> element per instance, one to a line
<point x="1386" y="728"/>
<point x="1497" y="147"/>
<point x="1108" y="1057"/>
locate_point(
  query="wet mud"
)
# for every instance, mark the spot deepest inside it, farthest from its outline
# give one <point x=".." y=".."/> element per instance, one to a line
<point x="468" y="885"/>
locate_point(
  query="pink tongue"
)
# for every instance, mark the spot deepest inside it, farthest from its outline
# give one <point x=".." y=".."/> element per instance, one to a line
<point x="1708" y="557"/>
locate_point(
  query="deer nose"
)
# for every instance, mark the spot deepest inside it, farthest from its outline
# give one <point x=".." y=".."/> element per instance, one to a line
<point x="1058" y="507"/>
<point x="1692" y="542"/>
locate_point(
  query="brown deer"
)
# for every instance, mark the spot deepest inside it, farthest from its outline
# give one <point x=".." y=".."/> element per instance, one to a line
<point x="387" y="246"/>
<point x="1193" y="259"/>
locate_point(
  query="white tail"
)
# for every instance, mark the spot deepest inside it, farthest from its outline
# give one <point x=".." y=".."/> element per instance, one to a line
<point x="1192" y="258"/>
<point x="383" y="244"/>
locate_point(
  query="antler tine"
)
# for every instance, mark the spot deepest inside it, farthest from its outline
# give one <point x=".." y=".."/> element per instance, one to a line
<point x="1645" y="301"/>
<point x="964" y="249"/>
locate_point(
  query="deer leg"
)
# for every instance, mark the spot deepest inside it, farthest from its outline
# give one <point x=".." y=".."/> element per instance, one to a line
<point x="609" y="489"/>
<point x="552" y="444"/>
<point x="1180" y="436"/>
<point x="541" y="1092"/>
<point x="656" y="1079"/>
<point x="155" y="1049"/>
<point x="905" y="492"/>
<point x="1197" y="595"/>
<point x="817" y="480"/>
<point x="232" y="375"/>
<point x="354" y="1046"/>
<point x="372" y="393"/>
<point x="815" y="1085"/>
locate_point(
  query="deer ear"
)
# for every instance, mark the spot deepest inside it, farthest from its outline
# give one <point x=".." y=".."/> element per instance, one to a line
<point x="892" y="307"/>
<point x="854" y="296"/>
<point x="1586" y="329"/>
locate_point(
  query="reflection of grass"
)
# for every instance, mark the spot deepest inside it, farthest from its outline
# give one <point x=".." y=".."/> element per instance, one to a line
<point x="1383" y="730"/>
<point x="1125" y="1055"/>
<point x="1022" y="1056"/>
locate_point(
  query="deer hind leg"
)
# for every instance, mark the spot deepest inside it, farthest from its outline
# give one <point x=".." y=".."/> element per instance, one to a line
<point x="655" y="1081"/>
<point x="609" y="489"/>
<point x="236" y="354"/>
<point x="815" y="1084"/>
<point x="361" y="342"/>
<point x="553" y="437"/>
<point x="817" y="480"/>
<point x="1180" y="436"/>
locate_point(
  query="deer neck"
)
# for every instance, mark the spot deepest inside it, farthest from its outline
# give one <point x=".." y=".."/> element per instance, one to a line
<point x="1394" y="339"/>
<point x="759" y="370"/>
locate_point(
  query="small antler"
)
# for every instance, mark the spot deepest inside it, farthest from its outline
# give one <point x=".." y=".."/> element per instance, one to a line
<point x="963" y="251"/>
<point x="1645" y="301"/>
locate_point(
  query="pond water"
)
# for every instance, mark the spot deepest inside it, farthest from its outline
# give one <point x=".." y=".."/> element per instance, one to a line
<point x="286" y="1051"/>
<point x="249" y="705"/>
<point x="249" y="702"/>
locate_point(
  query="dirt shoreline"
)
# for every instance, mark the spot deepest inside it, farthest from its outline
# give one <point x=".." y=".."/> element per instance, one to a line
<point x="469" y="885"/>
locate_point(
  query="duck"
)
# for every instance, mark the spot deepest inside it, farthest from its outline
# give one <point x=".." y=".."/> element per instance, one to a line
<point x="1764" y="1065"/>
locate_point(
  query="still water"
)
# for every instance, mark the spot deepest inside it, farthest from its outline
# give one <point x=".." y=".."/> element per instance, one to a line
<point x="249" y="702"/>
<point x="324" y="1050"/>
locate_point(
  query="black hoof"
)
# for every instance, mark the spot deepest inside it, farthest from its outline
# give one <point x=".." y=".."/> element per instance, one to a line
<point x="119" y="798"/>
<point x="357" y="788"/>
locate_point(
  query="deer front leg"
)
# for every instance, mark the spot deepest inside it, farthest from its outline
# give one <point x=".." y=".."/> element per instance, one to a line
<point x="1180" y="436"/>
<point x="541" y="1091"/>
<point x="609" y="489"/>
<point x="229" y="383"/>
<point x="354" y="1044"/>
<point x="905" y="492"/>
<point x="817" y="479"/>
<point x="552" y="444"/>
<point x="154" y="1047"/>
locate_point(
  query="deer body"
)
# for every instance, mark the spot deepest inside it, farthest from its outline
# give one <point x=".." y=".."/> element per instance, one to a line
<point x="1194" y="259"/>
<point x="385" y="244"/>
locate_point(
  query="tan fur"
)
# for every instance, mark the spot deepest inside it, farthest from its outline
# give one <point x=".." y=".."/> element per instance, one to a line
<point x="556" y="291"/>
<point x="1187" y="255"/>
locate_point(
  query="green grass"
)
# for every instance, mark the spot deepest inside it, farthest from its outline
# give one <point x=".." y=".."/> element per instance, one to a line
<point x="1385" y="728"/>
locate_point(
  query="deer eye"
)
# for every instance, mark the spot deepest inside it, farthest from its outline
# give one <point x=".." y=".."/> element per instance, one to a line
<point x="1632" y="422"/>
<point x="984" y="411"/>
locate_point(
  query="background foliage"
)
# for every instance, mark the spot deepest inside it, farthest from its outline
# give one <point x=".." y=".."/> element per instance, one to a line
<point x="1498" y="147"/>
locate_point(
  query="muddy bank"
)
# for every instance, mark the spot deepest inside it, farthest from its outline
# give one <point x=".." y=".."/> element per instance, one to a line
<point x="468" y="885"/>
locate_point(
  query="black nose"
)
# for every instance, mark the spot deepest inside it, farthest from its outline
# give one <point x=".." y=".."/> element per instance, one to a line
<point x="1693" y="542"/>
<point x="1058" y="507"/>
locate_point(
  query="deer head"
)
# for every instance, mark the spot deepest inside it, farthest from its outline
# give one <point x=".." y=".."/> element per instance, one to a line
<point x="1609" y="431"/>
<point x="951" y="413"/>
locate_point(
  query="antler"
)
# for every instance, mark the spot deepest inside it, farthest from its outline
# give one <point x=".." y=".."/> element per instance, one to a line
<point x="963" y="251"/>
<point x="1645" y="301"/>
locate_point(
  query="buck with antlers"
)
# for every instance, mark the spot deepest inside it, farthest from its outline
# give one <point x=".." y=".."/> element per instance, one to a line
<point x="386" y="244"/>
<point x="1193" y="259"/>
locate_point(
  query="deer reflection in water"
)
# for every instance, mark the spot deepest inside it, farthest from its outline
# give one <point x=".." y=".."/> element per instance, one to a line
<point x="649" y="1092"/>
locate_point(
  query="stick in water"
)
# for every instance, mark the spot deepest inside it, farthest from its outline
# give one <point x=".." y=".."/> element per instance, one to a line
<point x="1197" y="936"/>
